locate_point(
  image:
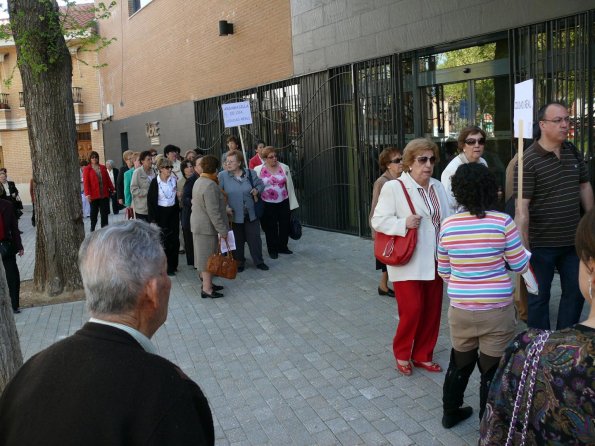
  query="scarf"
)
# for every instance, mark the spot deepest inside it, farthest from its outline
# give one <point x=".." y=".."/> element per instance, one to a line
<point x="213" y="177"/>
<point x="210" y="176"/>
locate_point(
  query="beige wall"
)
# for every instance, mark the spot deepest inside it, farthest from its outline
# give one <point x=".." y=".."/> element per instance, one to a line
<point x="171" y="51"/>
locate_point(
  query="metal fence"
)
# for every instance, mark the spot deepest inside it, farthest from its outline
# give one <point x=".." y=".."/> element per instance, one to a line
<point x="559" y="56"/>
<point x="330" y="126"/>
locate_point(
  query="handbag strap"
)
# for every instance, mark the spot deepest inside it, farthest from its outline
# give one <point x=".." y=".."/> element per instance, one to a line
<point x="407" y="197"/>
<point x="251" y="183"/>
<point x="529" y="371"/>
<point x="229" y="254"/>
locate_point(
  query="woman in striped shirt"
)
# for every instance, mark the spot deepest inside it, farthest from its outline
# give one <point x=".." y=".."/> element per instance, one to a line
<point x="475" y="246"/>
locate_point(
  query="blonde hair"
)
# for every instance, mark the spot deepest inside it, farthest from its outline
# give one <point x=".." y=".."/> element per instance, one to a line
<point x="414" y="148"/>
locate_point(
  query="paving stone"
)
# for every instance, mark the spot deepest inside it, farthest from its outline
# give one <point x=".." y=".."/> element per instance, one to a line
<point x="300" y="355"/>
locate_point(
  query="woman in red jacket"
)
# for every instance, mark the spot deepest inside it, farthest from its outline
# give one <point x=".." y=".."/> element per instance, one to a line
<point x="98" y="188"/>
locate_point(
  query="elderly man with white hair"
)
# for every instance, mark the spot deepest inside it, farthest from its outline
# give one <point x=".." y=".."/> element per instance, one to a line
<point x="106" y="384"/>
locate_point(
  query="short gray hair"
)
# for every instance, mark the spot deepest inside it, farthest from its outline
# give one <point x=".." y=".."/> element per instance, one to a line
<point x="110" y="162"/>
<point x="116" y="262"/>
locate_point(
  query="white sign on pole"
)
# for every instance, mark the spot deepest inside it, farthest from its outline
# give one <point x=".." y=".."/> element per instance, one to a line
<point x="523" y="108"/>
<point x="236" y="114"/>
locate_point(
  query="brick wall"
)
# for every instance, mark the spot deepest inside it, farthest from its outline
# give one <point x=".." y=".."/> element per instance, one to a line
<point x="174" y="54"/>
<point x="14" y="140"/>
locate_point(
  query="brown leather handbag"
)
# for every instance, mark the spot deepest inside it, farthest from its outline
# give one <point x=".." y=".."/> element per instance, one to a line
<point x="222" y="265"/>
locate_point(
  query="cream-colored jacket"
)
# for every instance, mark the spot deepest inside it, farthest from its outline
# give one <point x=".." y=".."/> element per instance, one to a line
<point x="390" y="217"/>
<point x="293" y="203"/>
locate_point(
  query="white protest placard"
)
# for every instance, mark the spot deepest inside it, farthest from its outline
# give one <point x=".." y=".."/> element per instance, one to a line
<point x="236" y="114"/>
<point x="523" y="108"/>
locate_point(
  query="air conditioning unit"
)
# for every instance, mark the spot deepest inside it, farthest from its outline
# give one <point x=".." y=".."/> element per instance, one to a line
<point x="109" y="110"/>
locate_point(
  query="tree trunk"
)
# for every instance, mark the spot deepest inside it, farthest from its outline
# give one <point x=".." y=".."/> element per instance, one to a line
<point x="46" y="71"/>
<point x="11" y="358"/>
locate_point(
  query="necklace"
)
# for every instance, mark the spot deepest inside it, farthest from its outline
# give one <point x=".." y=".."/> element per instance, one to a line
<point x="165" y="194"/>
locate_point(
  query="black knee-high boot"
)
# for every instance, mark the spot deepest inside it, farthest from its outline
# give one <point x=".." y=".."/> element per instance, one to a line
<point x="484" y="387"/>
<point x="455" y="383"/>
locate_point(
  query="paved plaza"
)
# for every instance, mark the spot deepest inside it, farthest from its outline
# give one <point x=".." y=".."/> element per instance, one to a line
<point x="300" y="354"/>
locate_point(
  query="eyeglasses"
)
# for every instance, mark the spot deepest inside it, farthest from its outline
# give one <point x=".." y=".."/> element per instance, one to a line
<point x="425" y="159"/>
<point x="473" y="141"/>
<point x="558" y="121"/>
<point x="396" y="161"/>
<point x="270" y="157"/>
<point x="167" y="167"/>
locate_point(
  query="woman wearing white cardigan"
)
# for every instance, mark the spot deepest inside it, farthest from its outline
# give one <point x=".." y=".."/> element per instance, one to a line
<point x="417" y="286"/>
<point x="279" y="200"/>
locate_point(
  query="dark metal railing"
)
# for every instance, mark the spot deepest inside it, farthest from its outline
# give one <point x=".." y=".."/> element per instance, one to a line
<point x="331" y="126"/>
<point x="4" y="101"/>
<point x="77" y="93"/>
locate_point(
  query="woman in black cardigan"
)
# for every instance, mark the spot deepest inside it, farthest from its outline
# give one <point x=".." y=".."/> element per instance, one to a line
<point x="164" y="210"/>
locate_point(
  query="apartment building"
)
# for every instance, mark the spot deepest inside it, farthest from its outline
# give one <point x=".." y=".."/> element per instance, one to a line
<point x="15" y="154"/>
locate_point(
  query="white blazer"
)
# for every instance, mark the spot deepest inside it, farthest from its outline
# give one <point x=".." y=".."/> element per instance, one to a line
<point x="390" y="217"/>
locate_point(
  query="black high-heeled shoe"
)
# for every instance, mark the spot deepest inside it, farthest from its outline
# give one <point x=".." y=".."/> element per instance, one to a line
<point x="215" y="287"/>
<point x="213" y="295"/>
<point x="388" y="292"/>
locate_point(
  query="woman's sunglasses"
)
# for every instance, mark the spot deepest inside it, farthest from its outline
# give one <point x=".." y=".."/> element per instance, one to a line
<point x="425" y="159"/>
<point x="473" y="141"/>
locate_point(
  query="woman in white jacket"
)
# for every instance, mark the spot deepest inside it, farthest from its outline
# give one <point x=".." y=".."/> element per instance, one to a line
<point x="417" y="286"/>
<point x="279" y="200"/>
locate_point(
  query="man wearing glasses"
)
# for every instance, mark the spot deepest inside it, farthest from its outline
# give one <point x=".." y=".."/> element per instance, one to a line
<point x="555" y="186"/>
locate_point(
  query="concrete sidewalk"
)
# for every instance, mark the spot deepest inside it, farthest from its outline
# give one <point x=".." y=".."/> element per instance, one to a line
<point x="300" y="354"/>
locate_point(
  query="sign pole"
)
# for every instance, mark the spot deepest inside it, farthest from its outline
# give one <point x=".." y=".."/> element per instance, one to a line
<point x="520" y="290"/>
<point x="520" y="163"/>
<point x="243" y="147"/>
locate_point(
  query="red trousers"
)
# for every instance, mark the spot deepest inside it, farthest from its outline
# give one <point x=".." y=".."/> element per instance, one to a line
<point x="419" y="304"/>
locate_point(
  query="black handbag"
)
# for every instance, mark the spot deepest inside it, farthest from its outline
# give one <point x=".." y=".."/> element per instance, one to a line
<point x="295" y="227"/>
<point x="258" y="203"/>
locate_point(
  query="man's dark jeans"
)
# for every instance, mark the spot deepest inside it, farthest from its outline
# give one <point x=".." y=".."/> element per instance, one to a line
<point x="544" y="261"/>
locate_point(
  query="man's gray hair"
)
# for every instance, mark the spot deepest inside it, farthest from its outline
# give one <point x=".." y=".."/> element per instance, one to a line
<point x="116" y="262"/>
<point x="110" y="162"/>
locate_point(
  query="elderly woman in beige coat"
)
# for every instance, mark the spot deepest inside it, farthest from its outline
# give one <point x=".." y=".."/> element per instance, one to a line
<point x="207" y="221"/>
<point x="417" y="285"/>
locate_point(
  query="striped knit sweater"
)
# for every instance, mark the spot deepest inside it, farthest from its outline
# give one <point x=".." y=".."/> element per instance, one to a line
<point x="471" y="258"/>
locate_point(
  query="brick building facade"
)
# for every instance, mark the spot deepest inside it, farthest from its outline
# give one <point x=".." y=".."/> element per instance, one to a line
<point x="15" y="153"/>
<point x="167" y="56"/>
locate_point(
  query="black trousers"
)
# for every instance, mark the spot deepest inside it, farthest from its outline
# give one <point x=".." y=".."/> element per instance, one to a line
<point x="13" y="278"/>
<point x="101" y="205"/>
<point x="249" y="232"/>
<point x="115" y="204"/>
<point x="188" y="246"/>
<point x="168" y="219"/>
<point x="275" y="224"/>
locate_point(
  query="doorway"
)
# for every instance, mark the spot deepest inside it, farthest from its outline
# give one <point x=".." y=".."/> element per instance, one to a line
<point x="456" y="88"/>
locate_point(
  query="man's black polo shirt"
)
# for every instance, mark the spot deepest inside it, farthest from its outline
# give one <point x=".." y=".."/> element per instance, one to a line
<point x="553" y="185"/>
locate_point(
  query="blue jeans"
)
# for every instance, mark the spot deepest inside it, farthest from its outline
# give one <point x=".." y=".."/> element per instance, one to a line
<point x="544" y="261"/>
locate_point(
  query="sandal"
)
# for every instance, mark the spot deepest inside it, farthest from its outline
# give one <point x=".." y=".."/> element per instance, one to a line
<point x="405" y="369"/>
<point x="431" y="367"/>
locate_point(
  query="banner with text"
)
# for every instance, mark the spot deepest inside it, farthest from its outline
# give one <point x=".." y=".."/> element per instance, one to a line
<point x="523" y="108"/>
<point x="236" y="114"/>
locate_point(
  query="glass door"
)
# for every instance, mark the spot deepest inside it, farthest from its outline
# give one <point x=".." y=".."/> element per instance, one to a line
<point x="454" y="89"/>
